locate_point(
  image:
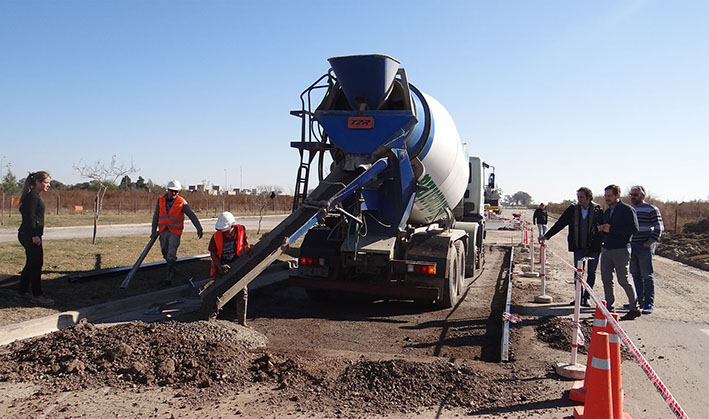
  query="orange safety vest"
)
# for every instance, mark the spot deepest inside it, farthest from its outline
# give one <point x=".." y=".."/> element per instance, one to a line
<point x="173" y="220"/>
<point x="241" y="245"/>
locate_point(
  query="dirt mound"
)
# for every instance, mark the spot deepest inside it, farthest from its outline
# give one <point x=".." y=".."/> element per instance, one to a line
<point x="690" y="247"/>
<point x="697" y="227"/>
<point x="123" y="355"/>
<point x="557" y="333"/>
<point x="398" y="385"/>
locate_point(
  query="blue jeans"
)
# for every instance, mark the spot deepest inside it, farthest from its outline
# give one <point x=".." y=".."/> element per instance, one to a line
<point x="642" y="272"/>
<point x="589" y="269"/>
<point x="542" y="229"/>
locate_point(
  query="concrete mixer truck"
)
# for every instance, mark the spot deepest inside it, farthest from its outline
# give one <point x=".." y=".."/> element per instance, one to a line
<point x="400" y="214"/>
<point x="413" y="231"/>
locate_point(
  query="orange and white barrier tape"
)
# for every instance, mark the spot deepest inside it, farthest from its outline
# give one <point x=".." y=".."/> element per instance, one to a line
<point x="672" y="403"/>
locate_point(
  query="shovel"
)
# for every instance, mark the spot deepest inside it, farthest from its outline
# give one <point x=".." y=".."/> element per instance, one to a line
<point x="142" y="256"/>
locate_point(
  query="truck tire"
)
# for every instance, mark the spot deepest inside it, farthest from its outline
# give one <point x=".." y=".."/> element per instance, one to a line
<point x="472" y="262"/>
<point x="460" y="252"/>
<point x="450" y="290"/>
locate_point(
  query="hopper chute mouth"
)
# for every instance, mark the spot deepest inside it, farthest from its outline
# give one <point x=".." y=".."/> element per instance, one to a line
<point x="366" y="80"/>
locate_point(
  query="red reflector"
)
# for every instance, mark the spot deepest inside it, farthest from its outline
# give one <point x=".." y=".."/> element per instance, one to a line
<point x="424" y="269"/>
<point x="360" y="122"/>
<point x="307" y="261"/>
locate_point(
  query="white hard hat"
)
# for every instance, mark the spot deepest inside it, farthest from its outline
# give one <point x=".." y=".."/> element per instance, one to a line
<point x="225" y="220"/>
<point x="174" y="185"/>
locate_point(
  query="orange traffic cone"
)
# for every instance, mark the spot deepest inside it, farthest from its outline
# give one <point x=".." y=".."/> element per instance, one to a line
<point x="599" y="401"/>
<point x="616" y="376"/>
<point x="578" y="388"/>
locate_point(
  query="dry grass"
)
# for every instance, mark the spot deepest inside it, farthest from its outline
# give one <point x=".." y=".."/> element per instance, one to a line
<point x="68" y="256"/>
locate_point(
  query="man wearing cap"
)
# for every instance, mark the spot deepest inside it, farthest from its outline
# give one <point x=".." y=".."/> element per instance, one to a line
<point x="168" y="224"/>
<point x="642" y="248"/>
<point x="228" y="243"/>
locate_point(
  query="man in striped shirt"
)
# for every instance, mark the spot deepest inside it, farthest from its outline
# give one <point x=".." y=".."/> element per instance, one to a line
<point x="643" y="248"/>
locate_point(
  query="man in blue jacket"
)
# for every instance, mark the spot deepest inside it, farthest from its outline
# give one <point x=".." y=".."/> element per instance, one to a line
<point x="619" y="223"/>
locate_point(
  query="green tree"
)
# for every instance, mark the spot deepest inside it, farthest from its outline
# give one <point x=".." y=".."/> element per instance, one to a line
<point x="55" y="184"/>
<point x="126" y="183"/>
<point x="522" y="198"/>
<point x="140" y="183"/>
<point x="9" y="183"/>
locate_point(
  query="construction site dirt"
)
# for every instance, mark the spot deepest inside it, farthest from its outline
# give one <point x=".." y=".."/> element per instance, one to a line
<point x="349" y="357"/>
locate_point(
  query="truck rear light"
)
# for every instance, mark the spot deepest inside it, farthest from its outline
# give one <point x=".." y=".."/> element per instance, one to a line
<point x="422" y="269"/>
<point x="306" y="261"/>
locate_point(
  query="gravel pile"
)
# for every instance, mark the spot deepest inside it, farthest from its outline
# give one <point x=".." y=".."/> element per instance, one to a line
<point x="125" y="355"/>
<point x="220" y="331"/>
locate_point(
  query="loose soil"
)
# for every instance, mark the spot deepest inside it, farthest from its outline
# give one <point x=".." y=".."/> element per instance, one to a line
<point x="691" y="246"/>
<point x="350" y="358"/>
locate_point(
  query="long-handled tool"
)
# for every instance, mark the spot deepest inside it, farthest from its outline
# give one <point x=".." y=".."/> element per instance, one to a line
<point x="138" y="262"/>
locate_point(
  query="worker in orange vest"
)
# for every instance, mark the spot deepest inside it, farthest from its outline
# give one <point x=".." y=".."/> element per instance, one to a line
<point x="168" y="224"/>
<point x="227" y="244"/>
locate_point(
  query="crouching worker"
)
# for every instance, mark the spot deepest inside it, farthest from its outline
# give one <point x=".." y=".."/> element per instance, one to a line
<point x="227" y="244"/>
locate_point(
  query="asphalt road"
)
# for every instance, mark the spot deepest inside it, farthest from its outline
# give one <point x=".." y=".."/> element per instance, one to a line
<point x="674" y="339"/>
<point x="113" y="230"/>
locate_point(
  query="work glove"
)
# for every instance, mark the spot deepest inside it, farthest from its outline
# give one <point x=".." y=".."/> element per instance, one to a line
<point x="224" y="269"/>
<point x="199" y="234"/>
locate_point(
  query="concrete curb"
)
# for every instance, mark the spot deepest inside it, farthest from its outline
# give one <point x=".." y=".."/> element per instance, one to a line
<point x="178" y="299"/>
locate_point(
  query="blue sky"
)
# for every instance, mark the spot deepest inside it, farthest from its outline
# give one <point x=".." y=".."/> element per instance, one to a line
<point x="555" y="94"/>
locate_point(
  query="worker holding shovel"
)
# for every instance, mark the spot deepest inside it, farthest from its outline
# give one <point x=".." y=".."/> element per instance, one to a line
<point x="168" y="223"/>
<point x="227" y="244"/>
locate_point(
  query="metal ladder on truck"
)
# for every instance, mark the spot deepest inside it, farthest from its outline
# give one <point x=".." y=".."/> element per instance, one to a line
<point x="329" y="193"/>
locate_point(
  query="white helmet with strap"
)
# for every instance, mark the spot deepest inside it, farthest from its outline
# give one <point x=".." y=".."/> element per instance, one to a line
<point x="174" y="185"/>
<point x="225" y="220"/>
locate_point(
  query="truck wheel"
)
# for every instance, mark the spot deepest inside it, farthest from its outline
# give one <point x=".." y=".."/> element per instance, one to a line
<point x="472" y="261"/>
<point x="460" y="252"/>
<point x="450" y="291"/>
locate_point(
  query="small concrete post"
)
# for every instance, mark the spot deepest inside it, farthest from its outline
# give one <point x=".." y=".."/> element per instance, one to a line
<point x="574" y="370"/>
<point x="543" y="298"/>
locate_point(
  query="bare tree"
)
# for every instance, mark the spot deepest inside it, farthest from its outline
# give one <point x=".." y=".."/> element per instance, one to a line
<point x="103" y="177"/>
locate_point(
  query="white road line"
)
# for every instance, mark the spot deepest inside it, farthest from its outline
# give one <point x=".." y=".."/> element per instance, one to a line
<point x="705" y="331"/>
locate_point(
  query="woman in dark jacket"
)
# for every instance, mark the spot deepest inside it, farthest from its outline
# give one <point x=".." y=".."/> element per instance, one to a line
<point x="30" y="235"/>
